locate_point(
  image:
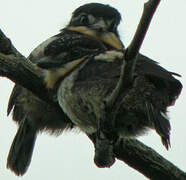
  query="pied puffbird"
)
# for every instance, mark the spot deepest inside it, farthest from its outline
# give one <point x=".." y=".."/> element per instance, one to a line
<point x="82" y="64"/>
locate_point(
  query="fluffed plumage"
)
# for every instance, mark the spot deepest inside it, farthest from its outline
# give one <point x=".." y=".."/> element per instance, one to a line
<point x="69" y="65"/>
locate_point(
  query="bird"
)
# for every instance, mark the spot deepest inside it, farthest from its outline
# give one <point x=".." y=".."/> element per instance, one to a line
<point x="82" y="92"/>
<point x="32" y="114"/>
<point x="82" y="65"/>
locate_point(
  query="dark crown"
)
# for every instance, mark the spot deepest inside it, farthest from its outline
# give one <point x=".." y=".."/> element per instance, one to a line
<point x="99" y="10"/>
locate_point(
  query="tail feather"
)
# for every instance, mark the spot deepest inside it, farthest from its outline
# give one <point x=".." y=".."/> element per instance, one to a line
<point x="161" y="124"/>
<point x="21" y="150"/>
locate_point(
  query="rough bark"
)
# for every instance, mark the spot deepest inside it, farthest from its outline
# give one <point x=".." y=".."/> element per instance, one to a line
<point x="140" y="157"/>
<point x="147" y="161"/>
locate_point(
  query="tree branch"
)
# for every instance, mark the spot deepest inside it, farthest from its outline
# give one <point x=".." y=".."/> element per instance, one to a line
<point x="142" y="158"/>
<point x="145" y="160"/>
<point x="15" y="67"/>
<point x="24" y="73"/>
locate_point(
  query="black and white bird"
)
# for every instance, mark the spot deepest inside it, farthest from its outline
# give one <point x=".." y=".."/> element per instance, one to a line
<point x="83" y="63"/>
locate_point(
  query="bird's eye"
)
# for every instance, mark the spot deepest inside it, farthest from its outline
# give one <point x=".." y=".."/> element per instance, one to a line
<point x="84" y="20"/>
<point x="87" y="19"/>
<point x="112" y="25"/>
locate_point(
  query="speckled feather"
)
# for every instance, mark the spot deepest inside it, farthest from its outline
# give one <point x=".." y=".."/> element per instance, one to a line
<point x="143" y="104"/>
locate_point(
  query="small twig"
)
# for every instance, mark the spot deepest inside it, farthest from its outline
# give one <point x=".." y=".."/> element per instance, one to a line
<point x="135" y="45"/>
<point x="127" y="69"/>
<point x="131" y="53"/>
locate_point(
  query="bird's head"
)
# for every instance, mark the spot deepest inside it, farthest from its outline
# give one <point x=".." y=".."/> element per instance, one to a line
<point x="98" y="21"/>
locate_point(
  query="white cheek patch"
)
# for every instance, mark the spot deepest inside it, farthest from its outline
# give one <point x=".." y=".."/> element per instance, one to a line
<point x="109" y="56"/>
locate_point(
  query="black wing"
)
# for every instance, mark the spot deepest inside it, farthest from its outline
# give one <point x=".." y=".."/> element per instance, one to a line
<point x="68" y="46"/>
<point x="160" y="77"/>
<point x="166" y="86"/>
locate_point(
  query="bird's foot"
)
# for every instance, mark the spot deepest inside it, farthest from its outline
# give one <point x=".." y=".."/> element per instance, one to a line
<point x="104" y="156"/>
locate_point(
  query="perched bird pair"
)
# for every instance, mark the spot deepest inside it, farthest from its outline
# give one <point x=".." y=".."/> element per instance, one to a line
<point x="83" y="65"/>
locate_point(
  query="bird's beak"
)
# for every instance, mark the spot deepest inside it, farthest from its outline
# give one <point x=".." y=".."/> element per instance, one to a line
<point x="107" y="37"/>
<point x="112" y="40"/>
